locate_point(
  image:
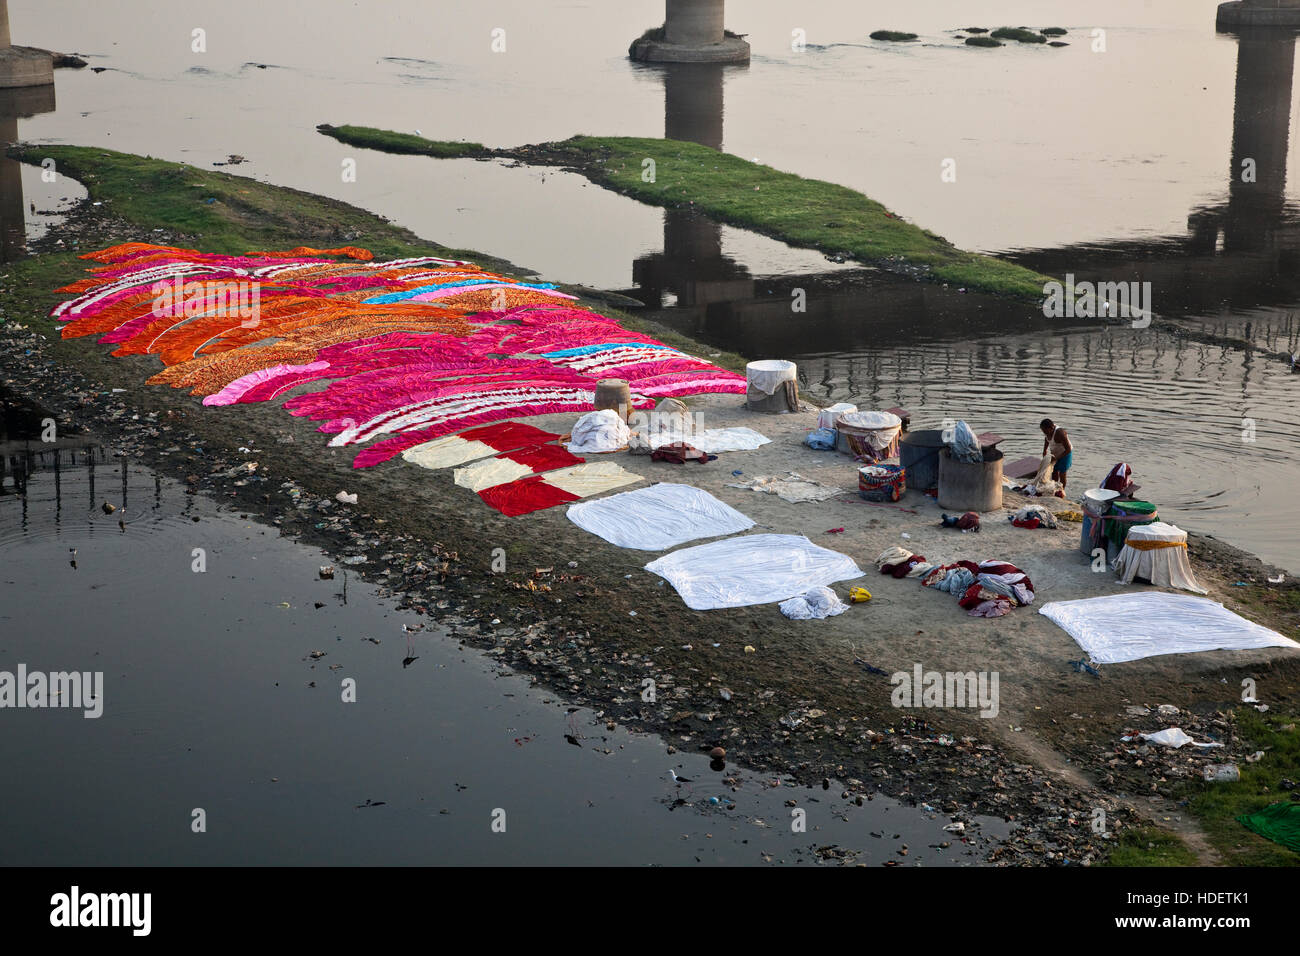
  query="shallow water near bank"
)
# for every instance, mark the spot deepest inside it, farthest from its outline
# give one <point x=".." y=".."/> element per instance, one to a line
<point x="208" y="703"/>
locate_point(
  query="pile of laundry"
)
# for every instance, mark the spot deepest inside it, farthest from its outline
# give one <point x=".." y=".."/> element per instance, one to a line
<point x="987" y="589"/>
<point x="901" y="563"/>
<point x="970" y="521"/>
<point x="1032" y="517"/>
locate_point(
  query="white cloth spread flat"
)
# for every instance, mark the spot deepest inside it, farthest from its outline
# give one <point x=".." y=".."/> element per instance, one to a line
<point x="1165" y="567"/>
<point x="659" y="517"/>
<point x="485" y="474"/>
<point x="447" y="452"/>
<point x="597" y="432"/>
<point x="815" y="604"/>
<point x="712" y="441"/>
<point x="1129" y="627"/>
<point x="751" y="569"/>
<point x="590" y="479"/>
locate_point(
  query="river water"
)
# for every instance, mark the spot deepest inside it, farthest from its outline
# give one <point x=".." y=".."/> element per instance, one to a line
<point x="204" y="625"/>
<point x="1116" y="157"/>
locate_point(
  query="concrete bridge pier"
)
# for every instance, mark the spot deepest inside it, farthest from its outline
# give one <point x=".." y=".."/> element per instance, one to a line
<point x="21" y="65"/>
<point x="693" y="32"/>
<point x="26" y="88"/>
<point x="1261" y="126"/>
<point x="1257" y="13"/>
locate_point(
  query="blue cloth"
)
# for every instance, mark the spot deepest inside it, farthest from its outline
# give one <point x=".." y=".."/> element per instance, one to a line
<point x="957" y="581"/>
<point x="822" y="439"/>
<point x="1063" y="463"/>
<point x="588" y="349"/>
<point x="466" y="283"/>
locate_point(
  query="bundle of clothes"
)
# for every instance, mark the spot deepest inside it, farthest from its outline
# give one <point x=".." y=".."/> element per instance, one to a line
<point x="1033" y="516"/>
<point x="987" y="589"/>
<point x="970" y="521"/>
<point x="1119" y="479"/>
<point x="901" y="563"/>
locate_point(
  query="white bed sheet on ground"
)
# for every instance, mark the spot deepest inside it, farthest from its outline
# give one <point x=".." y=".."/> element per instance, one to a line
<point x="712" y="441"/>
<point x="1129" y="627"/>
<point x="751" y="569"/>
<point x="659" y="517"/>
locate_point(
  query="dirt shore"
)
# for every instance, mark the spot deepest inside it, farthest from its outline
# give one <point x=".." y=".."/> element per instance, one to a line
<point x="797" y="705"/>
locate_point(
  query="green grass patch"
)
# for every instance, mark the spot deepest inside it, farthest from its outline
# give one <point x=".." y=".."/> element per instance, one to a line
<point x="809" y="213"/>
<point x="1054" y="31"/>
<point x="1019" y="34"/>
<point x="218" y="212"/>
<point x="983" y="41"/>
<point x="391" y="142"/>
<point x="975" y="29"/>
<point x="1149" y="846"/>
<point x="1218" y="805"/>
<point x="225" y="213"/>
<point x="199" y="208"/>
<point x="893" y="36"/>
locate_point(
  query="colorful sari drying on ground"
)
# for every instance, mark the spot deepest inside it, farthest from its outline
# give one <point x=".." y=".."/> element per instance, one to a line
<point x="396" y="355"/>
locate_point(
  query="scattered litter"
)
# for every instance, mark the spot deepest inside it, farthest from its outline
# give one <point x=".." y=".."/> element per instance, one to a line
<point x="1170" y="737"/>
<point x="327" y="572"/>
<point x="1082" y="666"/>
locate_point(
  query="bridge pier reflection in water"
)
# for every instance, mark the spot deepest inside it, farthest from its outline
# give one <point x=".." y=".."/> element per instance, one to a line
<point x="1153" y="398"/>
